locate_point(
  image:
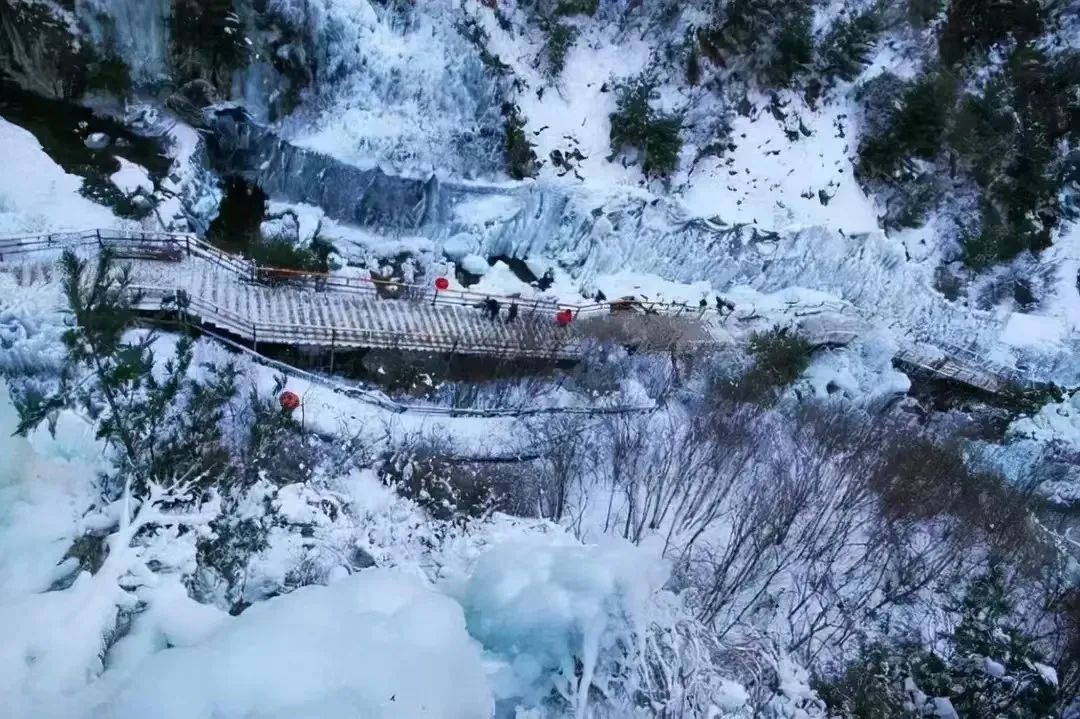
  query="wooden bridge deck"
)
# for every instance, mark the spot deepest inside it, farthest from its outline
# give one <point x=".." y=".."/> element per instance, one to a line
<point x="261" y="305"/>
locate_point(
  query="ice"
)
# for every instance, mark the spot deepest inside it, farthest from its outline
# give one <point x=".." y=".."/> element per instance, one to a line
<point x="137" y="30"/>
<point x="46" y="639"/>
<point x="733" y="696"/>
<point x="1026" y="330"/>
<point x="943" y="708"/>
<point x="97" y="141"/>
<point x="30" y="328"/>
<point x="539" y="605"/>
<point x="378" y="644"/>
<point x="413" y="96"/>
<point x="43" y="487"/>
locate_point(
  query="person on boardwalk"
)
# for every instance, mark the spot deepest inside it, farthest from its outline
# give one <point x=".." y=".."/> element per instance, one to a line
<point x="724" y="306"/>
<point x="512" y="312"/>
<point x="491" y="309"/>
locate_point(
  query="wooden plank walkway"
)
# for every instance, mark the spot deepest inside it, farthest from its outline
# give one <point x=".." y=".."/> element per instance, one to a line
<point x="265" y="305"/>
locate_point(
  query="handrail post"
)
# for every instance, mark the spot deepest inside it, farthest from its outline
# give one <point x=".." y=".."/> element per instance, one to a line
<point x="96" y="232"/>
<point x="333" y="341"/>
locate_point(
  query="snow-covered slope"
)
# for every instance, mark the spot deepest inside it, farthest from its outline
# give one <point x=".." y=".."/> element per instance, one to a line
<point x="37" y="196"/>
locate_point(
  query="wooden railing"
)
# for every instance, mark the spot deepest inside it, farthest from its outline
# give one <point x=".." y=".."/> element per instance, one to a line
<point x="174" y="246"/>
<point x="270" y="276"/>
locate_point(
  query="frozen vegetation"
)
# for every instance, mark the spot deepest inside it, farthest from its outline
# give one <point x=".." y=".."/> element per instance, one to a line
<point x="780" y="530"/>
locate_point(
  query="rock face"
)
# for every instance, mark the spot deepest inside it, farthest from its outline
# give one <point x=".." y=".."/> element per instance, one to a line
<point x="41" y="51"/>
<point x="62" y="50"/>
<point x="191" y="99"/>
<point x="135" y="30"/>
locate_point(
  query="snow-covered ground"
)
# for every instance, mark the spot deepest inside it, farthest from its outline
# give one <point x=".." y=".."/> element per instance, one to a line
<point x="483" y="617"/>
<point x="37" y="196"/>
<point x="508" y="607"/>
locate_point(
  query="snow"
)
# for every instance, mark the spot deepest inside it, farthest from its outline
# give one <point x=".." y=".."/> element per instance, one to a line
<point x="474" y="264"/>
<point x="579" y="104"/>
<point x="1063" y="261"/>
<point x="651" y="287"/>
<point x="378" y="644"/>
<point x="733" y="696"/>
<point x="460" y="245"/>
<point x="457" y="618"/>
<point x="486" y="210"/>
<point x="1048" y="673"/>
<point x="131" y="178"/>
<point x="335" y="414"/>
<point x="861" y="372"/>
<point x="40" y="197"/>
<point x="769" y="181"/>
<point x="1054" y="422"/>
<point x="993" y="668"/>
<point x="1027" y="330"/>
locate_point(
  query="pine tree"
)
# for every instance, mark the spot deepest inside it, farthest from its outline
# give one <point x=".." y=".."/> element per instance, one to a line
<point x="159" y="425"/>
<point x="654" y="134"/>
<point x="846" y="48"/>
<point x="770" y="38"/>
<point x="521" y="161"/>
<point x="987" y="668"/>
<point x="993" y="671"/>
<point x="207" y="40"/>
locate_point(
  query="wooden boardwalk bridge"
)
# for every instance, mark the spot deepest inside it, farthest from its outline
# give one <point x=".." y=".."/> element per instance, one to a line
<point x="259" y="305"/>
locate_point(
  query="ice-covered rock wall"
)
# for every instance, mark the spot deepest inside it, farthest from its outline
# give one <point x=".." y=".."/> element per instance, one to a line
<point x="591" y="232"/>
<point x="398" y="84"/>
<point x="404" y="85"/>
<point x="135" y="30"/>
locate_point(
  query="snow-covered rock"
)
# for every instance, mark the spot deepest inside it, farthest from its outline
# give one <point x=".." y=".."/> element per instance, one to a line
<point x="131" y="178"/>
<point x="474" y="265"/>
<point x="460" y="246"/>
<point x="97" y="141"/>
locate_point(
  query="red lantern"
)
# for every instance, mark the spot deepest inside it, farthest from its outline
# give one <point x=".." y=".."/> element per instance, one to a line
<point x="289" y="400"/>
<point x="441" y="283"/>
